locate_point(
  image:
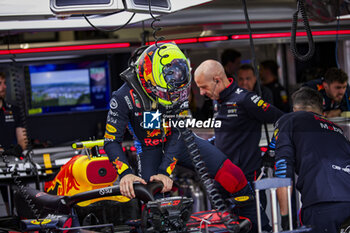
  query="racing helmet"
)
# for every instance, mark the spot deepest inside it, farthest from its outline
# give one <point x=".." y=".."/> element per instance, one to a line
<point x="164" y="74"/>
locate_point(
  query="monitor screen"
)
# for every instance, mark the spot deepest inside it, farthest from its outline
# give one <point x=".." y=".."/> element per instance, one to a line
<point x="69" y="87"/>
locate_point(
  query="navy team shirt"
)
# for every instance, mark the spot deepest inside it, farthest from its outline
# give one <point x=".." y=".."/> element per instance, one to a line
<point x="242" y="114"/>
<point x="328" y="103"/>
<point x="316" y="149"/>
<point x="8" y="123"/>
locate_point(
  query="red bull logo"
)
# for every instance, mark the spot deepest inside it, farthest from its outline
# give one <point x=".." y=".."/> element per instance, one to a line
<point x="64" y="182"/>
<point x="121" y="167"/>
<point x="153" y="133"/>
<point x="171" y="167"/>
<point x="79" y="175"/>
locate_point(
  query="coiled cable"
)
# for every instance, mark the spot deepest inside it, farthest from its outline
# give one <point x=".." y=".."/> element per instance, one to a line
<point x="28" y="157"/>
<point x="153" y="26"/>
<point x="215" y="197"/>
<point x="156" y="29"/>
<point x="256" y="71"/>
<point x="21" y="188"/>
<point x="311" y="43"/>
<point x="23" y="119"/>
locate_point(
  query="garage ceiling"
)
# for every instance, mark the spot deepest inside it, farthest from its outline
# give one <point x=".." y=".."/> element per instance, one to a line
<point x="216" y="18"/>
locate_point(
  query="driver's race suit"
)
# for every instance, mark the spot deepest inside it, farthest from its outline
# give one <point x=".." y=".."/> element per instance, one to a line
<point x="162" y="148"/>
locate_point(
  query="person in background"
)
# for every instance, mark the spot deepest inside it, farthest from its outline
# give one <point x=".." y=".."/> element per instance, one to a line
<point x="246" y="79"/>
<point x="231" y="60"/>
<point x="335" y="91"/>
<point x="242" y="114"/>
<point x="269" y="77"/>
<point x="12" y="134"/>
<point x="316" y="149"/>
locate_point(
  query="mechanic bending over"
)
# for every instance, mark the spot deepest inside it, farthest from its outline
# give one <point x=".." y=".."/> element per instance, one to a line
<point x="315" y="149"/>
<point x="161" y="148"/>
<point x="335" y="91"/>
<point x="242" y="113"/>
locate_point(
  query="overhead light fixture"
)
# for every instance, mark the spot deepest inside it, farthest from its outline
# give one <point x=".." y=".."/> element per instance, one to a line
<point x="69" y="7"/>
<point x="31" y="59"/>
<point x="288" y="34"/>
<point x="142" y="6"/>
<point x="212" y="38"/>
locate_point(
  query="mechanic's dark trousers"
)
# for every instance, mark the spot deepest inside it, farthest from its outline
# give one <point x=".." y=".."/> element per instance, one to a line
<point x="229" y="176"/>
<point x="325" y="217"/>
<point x="249" y="210"/>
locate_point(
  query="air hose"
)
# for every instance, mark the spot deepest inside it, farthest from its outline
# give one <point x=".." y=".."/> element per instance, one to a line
<point x="311" y="43"/>
<point x="214" y="196"/>
<point x="23" y="119"/>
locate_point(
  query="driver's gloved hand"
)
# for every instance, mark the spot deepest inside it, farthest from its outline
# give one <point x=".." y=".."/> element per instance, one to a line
<point x="13" y="150"/>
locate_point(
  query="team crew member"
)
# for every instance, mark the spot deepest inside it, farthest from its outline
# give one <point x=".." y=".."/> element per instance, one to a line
<point x="246" y="79"/>
<point x="167" y="87"/>
<point x="333" y="88"/>
<point x="242" y="114"/>
<point x="316" y="149"/>
<point x="231" y="60"/>
<point x="269" y="77"/>
<point x="12" y="134"/>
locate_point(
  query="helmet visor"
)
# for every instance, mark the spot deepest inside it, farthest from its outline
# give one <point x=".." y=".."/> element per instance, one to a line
<point x="176" y="73"/>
